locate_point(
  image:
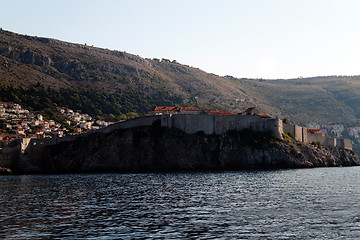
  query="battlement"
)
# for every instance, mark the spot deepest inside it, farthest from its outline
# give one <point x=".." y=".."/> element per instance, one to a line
<point x="220" y="124"/>
<point x="209" y="124"/>
<point x="306" y="135"/>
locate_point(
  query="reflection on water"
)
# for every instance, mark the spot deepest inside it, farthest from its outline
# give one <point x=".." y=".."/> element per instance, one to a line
<point x="293" y="204"/>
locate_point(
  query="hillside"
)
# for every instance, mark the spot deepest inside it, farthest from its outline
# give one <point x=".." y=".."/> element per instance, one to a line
<point x="28" y="60"/>
<point x="79" y="69"/>
<point x="324" y="100"/>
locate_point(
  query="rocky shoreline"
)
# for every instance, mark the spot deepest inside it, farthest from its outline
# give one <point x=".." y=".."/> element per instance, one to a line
<point x="158" y="149"/>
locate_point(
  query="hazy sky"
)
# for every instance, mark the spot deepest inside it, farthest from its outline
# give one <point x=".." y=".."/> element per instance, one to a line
<point x="243" y="38"/>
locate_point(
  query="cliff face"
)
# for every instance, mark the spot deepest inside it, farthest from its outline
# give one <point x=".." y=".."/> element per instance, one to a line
<point x="155" y="148"/>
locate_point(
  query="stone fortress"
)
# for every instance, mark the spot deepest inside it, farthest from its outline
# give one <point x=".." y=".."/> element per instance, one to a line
<point x="190" y="120"/>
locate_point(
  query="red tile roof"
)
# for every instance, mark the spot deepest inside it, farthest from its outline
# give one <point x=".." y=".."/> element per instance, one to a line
<point x="165" y="109"/>
<point x="173" y="109"/>
<point x="189" y="109"/>
<point x="264" y="116"/>
<point x="314" y="131"/>
<point x="216" y="112"/>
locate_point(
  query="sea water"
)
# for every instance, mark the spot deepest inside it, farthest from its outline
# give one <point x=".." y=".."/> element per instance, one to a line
<point x="321" y="203"/>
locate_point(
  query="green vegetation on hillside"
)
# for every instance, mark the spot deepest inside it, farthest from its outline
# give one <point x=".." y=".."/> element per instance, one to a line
<point x="331" y="100"/>
<point x="26" y="60"/>
<point x="108" y="106"/>
<point x="117" y="85"/>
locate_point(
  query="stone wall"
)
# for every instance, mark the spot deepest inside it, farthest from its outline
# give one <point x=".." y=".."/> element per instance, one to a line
<point x="209" y="124"/>
<point x="347" y="144"/>
<point x="344" y="143"/>
<point x="298" y="133"/>
<point x="8" y="154"/>
<point x="305" y="135"/>
<point x="289" y="128"/>
<point x="143" y="121"/>
<point x="316" y="138"/>
<point x="301" y="135"/>
<point x="212" y="124"/>
<point x="295" y="130"/>
<point x="191" y="123"/>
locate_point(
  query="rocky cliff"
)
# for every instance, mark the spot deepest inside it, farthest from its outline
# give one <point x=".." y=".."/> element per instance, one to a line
<point x="155" y="148"/>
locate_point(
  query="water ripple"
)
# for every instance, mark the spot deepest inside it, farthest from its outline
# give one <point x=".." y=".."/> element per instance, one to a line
<point x="293" y="204"/>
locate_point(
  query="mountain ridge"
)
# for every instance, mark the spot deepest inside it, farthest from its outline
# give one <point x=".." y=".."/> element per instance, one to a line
<point x="28" y="60"/>
<point x="60" y="64"/>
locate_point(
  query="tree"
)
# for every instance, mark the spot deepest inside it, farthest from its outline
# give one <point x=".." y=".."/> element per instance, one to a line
<point x="285" y="120"/>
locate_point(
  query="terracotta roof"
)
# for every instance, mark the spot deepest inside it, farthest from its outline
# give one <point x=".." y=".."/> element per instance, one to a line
<point x="314" y="131"/>
<point x="165" y="109"/>
<point x="249" y="109"/>
<point x="216" y="112"/>
<point x="173" y="109"/>
<point x="264" y="116"/>
<point x="190" y="108"/>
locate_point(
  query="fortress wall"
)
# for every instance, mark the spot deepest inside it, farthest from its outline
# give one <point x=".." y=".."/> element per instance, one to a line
<point x="340" y="143"/>
<point x="344" y="143"/>
<point x="239" y="122"/>
<point x="206" y="123"/>
<point x="324" y="140"/>
<point x="66" y="138"/>
<point x="347" y="144"/>
<point x="34" y="144"/>
<point x="211" y="124"/>
<point x="305" y="135"/>
<point x="193" y="123"/>
<point x="110" y="128"/>
<point x="316" y="138"/>
<point x="8" y="155"/>
<point x="298" y="133"/>
<point x="330" y="142"/>
<point x="190" y="124"/>
<point x="37" y="143"/>
<point x="275" y="126"/>
<point x="178" y="122"/>
<point x="225" y="123"/>
<point x="295" y="130"/>
<point x="254" y="123"/>
<point x="143" y="121"/>
<point x="289" y="128"/>
<point x="166" y="121"/>
<point x="221" y="124"/>
<point x="257" y="126"/>
<point x="246" y="122"/>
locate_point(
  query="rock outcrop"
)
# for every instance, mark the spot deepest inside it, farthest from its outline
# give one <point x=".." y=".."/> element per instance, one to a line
<point x="154" y="148"/>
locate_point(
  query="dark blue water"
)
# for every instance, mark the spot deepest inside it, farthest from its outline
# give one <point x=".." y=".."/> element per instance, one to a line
<point x="321" y="203"/>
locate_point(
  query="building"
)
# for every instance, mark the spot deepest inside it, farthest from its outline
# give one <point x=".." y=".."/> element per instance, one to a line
<point x="251" y="111"/>
<point x="173" y="110"/>
<point x="315" y="131"/>
<point x="264" y="116"/>
<point x="218" y="113"/>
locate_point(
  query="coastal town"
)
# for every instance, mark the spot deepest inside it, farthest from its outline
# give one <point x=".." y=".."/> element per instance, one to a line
<point x="27" y="136"/>
<point x="17" y="122"/>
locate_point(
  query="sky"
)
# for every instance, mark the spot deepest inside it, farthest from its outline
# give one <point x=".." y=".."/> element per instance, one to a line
<point x="267" y="39"/>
